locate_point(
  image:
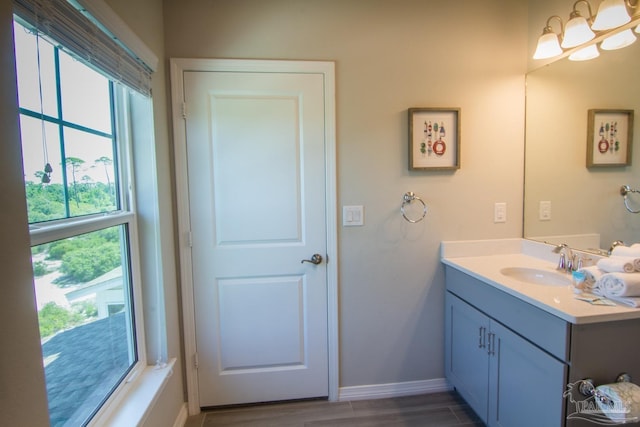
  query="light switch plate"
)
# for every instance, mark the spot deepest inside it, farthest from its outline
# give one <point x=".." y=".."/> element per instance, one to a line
<point x="352" y="216"/>
<point x="545" y="211"/>
<point x="500" y="212"/>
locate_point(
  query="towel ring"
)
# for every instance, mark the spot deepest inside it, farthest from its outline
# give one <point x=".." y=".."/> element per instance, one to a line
<point x="624" y="192"/>
<point x="407" y="199"/>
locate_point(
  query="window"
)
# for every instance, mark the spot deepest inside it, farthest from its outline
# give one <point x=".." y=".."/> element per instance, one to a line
<point x="83" y="226"/>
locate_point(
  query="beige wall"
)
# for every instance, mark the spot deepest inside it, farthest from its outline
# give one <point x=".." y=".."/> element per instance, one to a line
<point x="391" y="56"/>
<point x="23" y="398"/>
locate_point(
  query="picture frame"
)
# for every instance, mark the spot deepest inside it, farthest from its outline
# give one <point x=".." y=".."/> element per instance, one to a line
<point x="434" y="139"/>
<point x="609" y="138"/>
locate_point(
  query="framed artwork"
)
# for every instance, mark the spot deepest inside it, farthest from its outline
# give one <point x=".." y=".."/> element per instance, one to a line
<point x="434" y="138"/>
<point x="609" y="138"/>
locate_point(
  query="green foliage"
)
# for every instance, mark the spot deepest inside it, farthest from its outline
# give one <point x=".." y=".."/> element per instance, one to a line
<point x="87" y="256"/>
<point x="40" y="249"/>
<point x="44" y="202"/>
<point x="59" y="248"/>
<point x="86" y="264"/>
<point x="86" y="309"/>
<point x="53" y="318"/>
<point x="51" y="201"/>
<point x="83" y="258"/>
<point x="40" y="268"/>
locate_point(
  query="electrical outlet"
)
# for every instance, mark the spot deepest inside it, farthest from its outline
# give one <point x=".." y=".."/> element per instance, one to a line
<point x="544" y="211"/>
<point x="500" y="212"/>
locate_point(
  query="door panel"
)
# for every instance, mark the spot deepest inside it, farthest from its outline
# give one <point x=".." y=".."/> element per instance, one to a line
<point x="468" y="362"/>
<point x="255" y="153"/>
<point x="269" y="149"/>
<point x="538" y="377"/>
<point x="270" y="310"/>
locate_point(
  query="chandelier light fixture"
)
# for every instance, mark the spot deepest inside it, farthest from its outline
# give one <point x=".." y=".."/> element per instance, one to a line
<point x="578" y="39"/>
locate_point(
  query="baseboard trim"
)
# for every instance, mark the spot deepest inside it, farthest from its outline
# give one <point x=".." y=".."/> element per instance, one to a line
<point x="181" y="419"/>
<point x="381" y="391"/>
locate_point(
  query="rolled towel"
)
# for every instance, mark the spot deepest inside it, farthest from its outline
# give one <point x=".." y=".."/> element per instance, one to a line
<point x="629" y="251"/>
<point x="616" y="264"/>
<point x="623" y="288"/>
<point x="591" y="273"/>
<point x="632" y="251"/>
<point x="620" y="284"/>
<point x="620" y="402"/>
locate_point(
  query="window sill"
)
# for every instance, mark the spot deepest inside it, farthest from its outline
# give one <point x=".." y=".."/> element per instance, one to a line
<point x="135" y="405"/>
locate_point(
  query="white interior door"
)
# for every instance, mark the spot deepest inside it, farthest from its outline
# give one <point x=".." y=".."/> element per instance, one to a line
<point x="256" y="181"/>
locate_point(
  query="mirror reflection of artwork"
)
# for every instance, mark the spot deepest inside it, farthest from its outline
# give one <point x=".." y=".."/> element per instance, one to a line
<point x="609" y="138"/>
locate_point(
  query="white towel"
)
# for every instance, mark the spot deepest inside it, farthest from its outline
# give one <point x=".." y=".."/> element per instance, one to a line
<point x="617" y="264"/>
<point x="621" y="287"/>
<point x="631" y="251"/>
<point x="620" y="402"/>
<point x="630" y="301"/>
<point x="591" y="275"/>
<point x="620" y="284"/>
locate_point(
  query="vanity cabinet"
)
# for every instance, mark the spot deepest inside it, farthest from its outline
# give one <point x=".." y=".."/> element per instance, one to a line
<point x="507" y="378"/>
<point x="518" y="352"/>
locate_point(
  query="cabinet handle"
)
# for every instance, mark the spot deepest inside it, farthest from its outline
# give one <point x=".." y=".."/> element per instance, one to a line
<point x="481" y="337"/>
<point x="492" y="344"/>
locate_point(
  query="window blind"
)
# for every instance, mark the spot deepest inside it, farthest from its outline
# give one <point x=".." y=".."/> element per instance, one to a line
<point x="70" y="30"/>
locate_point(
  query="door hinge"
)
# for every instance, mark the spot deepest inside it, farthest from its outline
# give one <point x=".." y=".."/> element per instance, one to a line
<point x="195" y="360"/>
<point x="184" y="110"/>
<point x="189" y="238"/>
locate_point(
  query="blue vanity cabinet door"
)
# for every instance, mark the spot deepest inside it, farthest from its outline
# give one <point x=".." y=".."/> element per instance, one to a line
<point x="526" y="384"/>
<point x="466" y="357"/>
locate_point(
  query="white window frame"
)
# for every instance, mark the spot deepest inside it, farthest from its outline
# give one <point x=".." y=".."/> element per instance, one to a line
<point x="46" y="232"/>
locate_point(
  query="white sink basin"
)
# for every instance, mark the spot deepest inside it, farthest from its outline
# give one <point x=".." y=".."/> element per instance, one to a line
<point x="536" y="276"/>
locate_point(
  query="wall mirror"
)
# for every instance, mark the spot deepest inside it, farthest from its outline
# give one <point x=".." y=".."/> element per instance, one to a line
<point x="564" y="200"/>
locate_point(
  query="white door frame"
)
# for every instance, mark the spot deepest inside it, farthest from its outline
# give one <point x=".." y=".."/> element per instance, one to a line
<point x="327" y="69"/>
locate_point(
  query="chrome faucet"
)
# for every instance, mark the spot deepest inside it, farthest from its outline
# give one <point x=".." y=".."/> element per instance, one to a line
<point x="614" y="244"/>
<point x="565" y="263"/>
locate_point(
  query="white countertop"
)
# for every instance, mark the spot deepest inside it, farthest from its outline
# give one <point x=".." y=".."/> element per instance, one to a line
<point x="483" y="259"/>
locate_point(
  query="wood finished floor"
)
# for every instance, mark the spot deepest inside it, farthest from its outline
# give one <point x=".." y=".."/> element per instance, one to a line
<point x="434" y="410"/>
